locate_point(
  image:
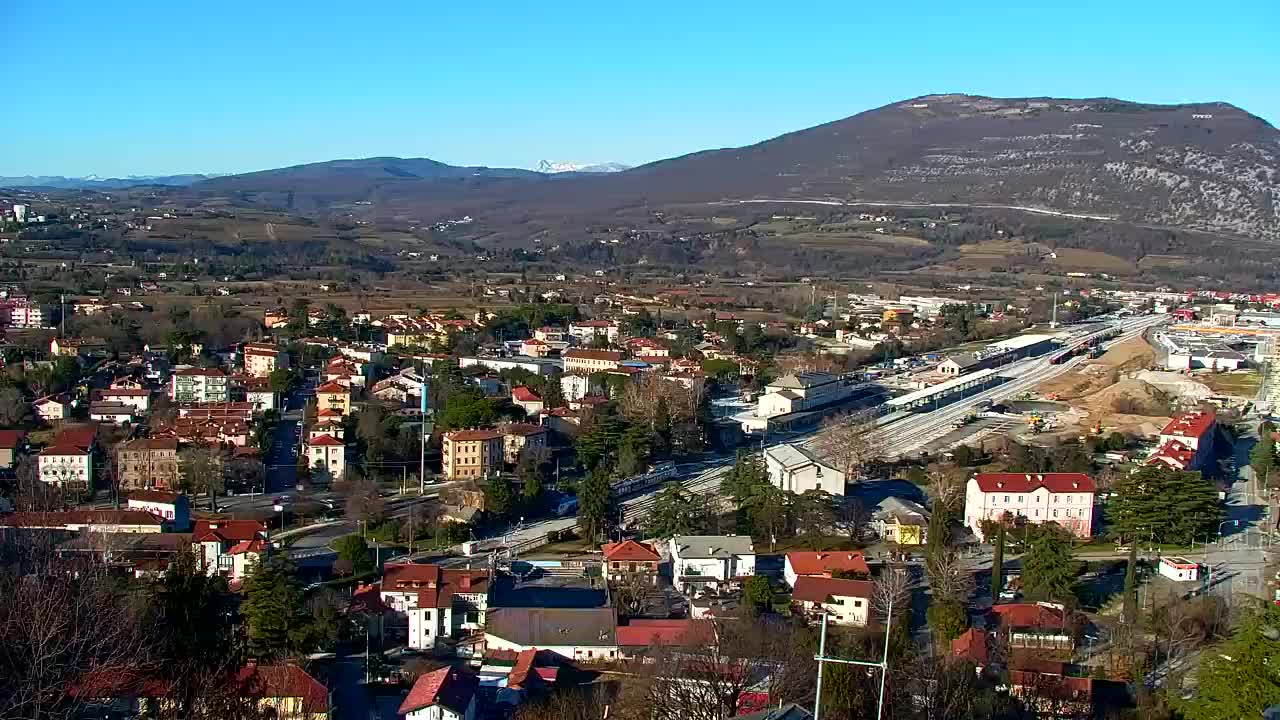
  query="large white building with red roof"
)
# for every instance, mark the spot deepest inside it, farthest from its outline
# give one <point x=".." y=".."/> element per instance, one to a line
<point x="1063" y="498"/>
<point x="217" y="543"/>
<point x="823" y="564"/>
<point x="1186" y="443"/>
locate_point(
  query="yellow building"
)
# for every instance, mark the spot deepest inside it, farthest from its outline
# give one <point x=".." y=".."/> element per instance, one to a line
<point x="332" y="396"/>
<point x="897" y="315"/>
<point x="471" y="453"/>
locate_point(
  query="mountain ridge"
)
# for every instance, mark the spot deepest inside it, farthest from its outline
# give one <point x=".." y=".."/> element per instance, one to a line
<point x="1204" y="166"/>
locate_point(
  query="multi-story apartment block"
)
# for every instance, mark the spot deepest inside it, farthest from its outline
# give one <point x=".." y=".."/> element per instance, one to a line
<point x="472" y="453"/>
<point x="199" y="385"/>
<point x="585" y="362"/>
<point x="1063" y="498"/>
<point x="148" y="464"/>
<point x="261" y="359"/>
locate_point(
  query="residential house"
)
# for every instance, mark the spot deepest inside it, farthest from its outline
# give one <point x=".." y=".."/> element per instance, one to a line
<point x="800" y="564"/>
<point x="213" y="541"/>
<point x="275" y="318"/>
<point x="527" y="400"/>
<point x="641" y="636"/>
<point x="959" y="364"/>
<point x="901" y="521"/>
<point x="173" y="508"/>
<point x="1035" y="626"/>
<point x="437" y="604"/>
<point x="66" y="464"/>
<point x="258" y="393"/>
<point x="582" y="634"/>
<point x="1063" y="498"/>
<point x="262" y="359"/>
<point x="445" y="694"/>
<point x="332" y="396"/>
<point x="844" y="602"/>
<point x="700" y="561"/>
<point x="585" y="331"/>
<point x="327" y="458"/>
<point x="574" y="387"/>
<point x="52" y="408"/>
<point x="472" y="453"/>
<point x="138" y="398"/>
<point x="630" y="560"/>
<point x="585" y="362"/>
<point x="793" y="469"/>
<point x="112" y="413"/>
<point x="148" y="463"/>
<point x="549" y="334"/>
<point x="534" y="347"/>
<point x="76" y="347"/>
<point x="519" y="438"/>
<point x="11" y="443"/>
<point x="199" y="385"/>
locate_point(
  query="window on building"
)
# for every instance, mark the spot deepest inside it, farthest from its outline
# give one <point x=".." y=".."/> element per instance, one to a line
<point x="1055" y="513"/>
<point x="1006" y="498"/>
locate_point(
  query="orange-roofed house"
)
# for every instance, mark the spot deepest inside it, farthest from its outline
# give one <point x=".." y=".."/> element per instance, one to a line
<point x="844" y="602"/>
<point x="527" y="399"/>
<point x="1063" y="498"/>
<point x="436" y="605"/>
<point x="445" y="694"/>
<point x="471" y="454"/>
<point x="327" y="458"/>
<point x="639" y="636"/>
<point x="213" y="541"/>
<point x="333" y="396"/>
<point x="631" y="560"/>
<point x="1035" y="626"/>
<point x="824" y="564"/>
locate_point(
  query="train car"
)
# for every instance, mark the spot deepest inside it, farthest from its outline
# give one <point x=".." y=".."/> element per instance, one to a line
<point x="655" y="475"/>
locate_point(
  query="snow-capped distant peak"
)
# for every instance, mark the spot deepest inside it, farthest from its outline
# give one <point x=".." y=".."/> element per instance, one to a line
<point x="552" y="167"/>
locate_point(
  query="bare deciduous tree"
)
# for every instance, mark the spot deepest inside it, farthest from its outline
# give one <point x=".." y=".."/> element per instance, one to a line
<point x="894" y="584"/>
<point x="946" y="487"/>
<point x="59" y="628"/>
<point x="364" y="502"/>
<point x="849" y="442"/>
<point x="948" y="578"/>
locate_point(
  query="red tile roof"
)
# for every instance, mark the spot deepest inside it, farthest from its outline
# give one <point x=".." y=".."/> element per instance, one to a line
<point x="452" y="687"/>
<point x="151" y="443"/>
<point x="593" y="323"/>
<point x="519" y="675"/>
<point x="247" y="546"/>
<point x="1191" y="424"/>
<point x="611" y="355"/>
<point x="825" y="563"/>
<point x="630" y="550"/>
<point x="125" y="392"/>
<point x="523" y="429"/>
<point x="816" y="589"/>
<point x="9" y="439"/>
<point x="1172" y="453"/>
<point x="228" y="530"/>
<point x="524" y="394"/>
<point x="333" y="387"/>
<point x="207" y="372"/>
<point x="1029" y="615"/>
<point x="435" y="586"/>
<point x="55" y="450"/>
<point x="78" y="435"/>
<point x="471" y="435"/>
<point x="285" y="681"/>
<point x="328" y="412"/>
<point x="325" y="441"/>
<point x="1025" y="483"/>
<point x="62" y="518"/>
<point x="971" y="646"/>
<point x="663" y="633"/>
<point x="154" y="496"/>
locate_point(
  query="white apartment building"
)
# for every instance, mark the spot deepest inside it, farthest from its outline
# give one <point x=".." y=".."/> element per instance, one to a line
<point x="1063" y="498"/>
<point x="711" y="559"/>
<point x="793" y="469"/>
<point x="199" y="385"/>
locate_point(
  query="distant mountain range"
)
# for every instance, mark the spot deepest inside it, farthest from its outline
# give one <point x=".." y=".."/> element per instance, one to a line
<point x="552" y="168"/>
<point x="93" y="182"/>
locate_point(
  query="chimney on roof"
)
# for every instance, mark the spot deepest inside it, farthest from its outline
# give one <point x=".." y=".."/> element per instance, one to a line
<point x="1028" y="478"/>
<point x="465" y="582"/>
<point x="820" y="556"/>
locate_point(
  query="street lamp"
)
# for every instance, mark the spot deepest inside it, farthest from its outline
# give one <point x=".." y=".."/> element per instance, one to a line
<point x="278" y="507"/>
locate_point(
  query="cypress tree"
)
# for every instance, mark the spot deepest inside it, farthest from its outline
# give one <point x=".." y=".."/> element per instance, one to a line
<point x="997" y="567"/>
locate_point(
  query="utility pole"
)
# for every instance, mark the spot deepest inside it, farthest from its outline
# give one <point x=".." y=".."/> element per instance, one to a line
<point x="1053" y="322"/>
<point x="883" y="665"/>
<point x="422" y="446"/>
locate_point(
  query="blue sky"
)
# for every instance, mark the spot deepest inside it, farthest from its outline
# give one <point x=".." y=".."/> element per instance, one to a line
<point x="167" y="87"/>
